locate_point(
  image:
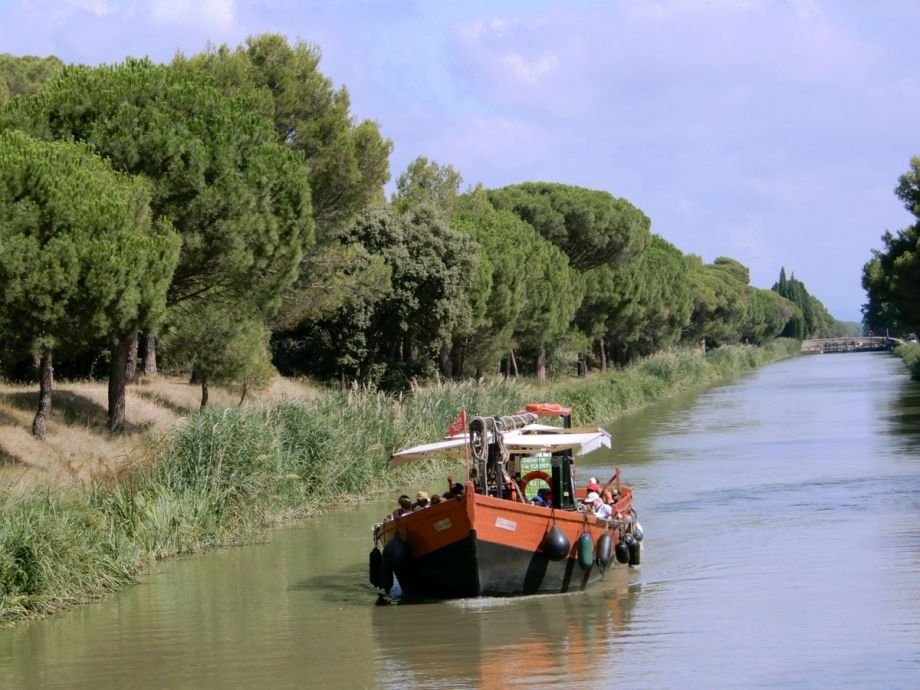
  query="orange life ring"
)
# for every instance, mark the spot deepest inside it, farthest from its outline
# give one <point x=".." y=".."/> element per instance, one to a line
<point x="530" y="476"/>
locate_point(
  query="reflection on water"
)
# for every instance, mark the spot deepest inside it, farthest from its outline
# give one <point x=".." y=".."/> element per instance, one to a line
<point x="496" y="643"/>
<point x="782" y="522"/>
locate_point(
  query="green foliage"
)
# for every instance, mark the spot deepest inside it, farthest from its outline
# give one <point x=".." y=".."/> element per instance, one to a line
<point x="592" y="227"/>
<point x="718" y="303"/>
<point x="82" y="258"/>
<point x="24" y="76"/>
<point x="910" y="353"/>
<point x="812" y="319"/>
<point x="638" y="308"/>
<point x="226" y="474"/>
<point x="395" y="336"/>
<point x="238" y="199"/>
<point x="425" y="182"/>
<point x="892" y="277"/>
<point x="503" y="283"/>
<point x="221" y="343"/>
<point x="348" y="162"/>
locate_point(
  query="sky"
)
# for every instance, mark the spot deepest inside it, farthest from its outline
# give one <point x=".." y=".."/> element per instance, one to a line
<point x="769" y="131"/>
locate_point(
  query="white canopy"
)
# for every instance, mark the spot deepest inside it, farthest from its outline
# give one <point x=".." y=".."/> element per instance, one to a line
<point x="530" y="440"/>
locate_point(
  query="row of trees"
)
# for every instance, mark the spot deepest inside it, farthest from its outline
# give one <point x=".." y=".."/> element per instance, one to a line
<point x="230" y="208"/>
<point x="891" y="277"/>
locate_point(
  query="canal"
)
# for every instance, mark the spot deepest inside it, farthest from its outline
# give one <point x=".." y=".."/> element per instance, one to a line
<point x="782" y="550"/>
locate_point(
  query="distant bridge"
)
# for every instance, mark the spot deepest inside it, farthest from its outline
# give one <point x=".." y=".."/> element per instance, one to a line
<point x="850" y="344"/>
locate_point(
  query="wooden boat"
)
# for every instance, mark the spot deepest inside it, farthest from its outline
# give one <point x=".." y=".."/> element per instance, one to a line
<point x="488" y="539"/>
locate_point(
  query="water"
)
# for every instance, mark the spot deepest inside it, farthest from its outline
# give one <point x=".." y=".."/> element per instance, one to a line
<point x="782" y="551"/>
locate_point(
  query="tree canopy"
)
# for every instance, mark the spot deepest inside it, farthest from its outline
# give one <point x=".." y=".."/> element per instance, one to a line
<point x="348" y="161"/>
<point x="82" y="258"/>
<point x="24" y="76"/>
<point x="891" y="277"/>
<point x="591" y="227"/>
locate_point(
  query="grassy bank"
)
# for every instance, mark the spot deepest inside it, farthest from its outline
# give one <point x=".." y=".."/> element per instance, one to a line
<point x="910" y="353"/>
<point x="226" y="474"/>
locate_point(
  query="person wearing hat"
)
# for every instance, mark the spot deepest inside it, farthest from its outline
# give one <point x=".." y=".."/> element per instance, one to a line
<point x="543" y="498"/>
<point x="421" y="501"/>
<point x="601" y="510"/>
<point x="593" y="485"/>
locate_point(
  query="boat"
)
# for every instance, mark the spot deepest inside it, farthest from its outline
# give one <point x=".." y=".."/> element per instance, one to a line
<point x="486" y="537"/>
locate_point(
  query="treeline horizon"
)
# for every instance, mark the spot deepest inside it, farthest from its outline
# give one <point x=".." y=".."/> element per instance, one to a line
<point x="225" y="215"/>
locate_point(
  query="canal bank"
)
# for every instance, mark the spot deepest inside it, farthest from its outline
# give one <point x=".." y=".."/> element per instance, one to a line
<point x="780" y="514"/>
<point x="227" y="474"/>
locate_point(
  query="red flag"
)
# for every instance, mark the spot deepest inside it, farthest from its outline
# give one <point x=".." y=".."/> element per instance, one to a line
<point x="458" y="426"/>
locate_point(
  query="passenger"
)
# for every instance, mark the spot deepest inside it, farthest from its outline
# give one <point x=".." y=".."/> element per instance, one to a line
<point x="602" y="511"/>
<point x="404" y="508"/>
<point x="607" y="495"/>
<point x="435" y="499"/>
<point x="543" y="498"/>
<point x="593" y="485"/>
<point x="456" y="490"/>
<point x="421" y="501"/>
<point x="589" y="499"/>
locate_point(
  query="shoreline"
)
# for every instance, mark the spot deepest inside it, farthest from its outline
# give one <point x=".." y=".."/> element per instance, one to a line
<point x="225" y="475"/>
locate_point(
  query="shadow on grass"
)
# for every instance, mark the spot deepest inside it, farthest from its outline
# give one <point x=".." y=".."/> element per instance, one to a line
<point x="70" y="409"/>
<point x="160" y="401"/>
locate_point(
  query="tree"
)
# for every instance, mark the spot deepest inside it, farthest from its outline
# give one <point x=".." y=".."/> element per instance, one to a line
<point x="811" y="320"/>
<point x="718" y="304"/>
<point x="397" y="336"/>
<point x="348" y="161"/>
<point x="223" y="345"/>
<point x="552" y="297"/>
<point x="425" y="182"/>
<point x="592" y="227"/>
<point x="82" y="259"/>
<point x="892" y="277"/>
<point x="24" y="76"/>
<point x="238" y="198"/>
<point x="498" y="294"/>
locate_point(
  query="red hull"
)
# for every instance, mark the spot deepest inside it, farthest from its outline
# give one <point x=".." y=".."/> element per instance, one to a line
<point x="476" y="545"/>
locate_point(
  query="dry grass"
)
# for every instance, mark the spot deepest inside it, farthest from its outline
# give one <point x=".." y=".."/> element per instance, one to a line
<point x="79" y="449"/>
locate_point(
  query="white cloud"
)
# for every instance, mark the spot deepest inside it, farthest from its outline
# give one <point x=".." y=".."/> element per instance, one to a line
<point x="531" y="71"/>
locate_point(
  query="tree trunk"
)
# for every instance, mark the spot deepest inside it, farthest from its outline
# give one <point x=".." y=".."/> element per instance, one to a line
<point x="514" y="364"/>
<point x="45" y="384"/>
<point x="603" y="354"/>
<point x="118" y="379"/>
<point x="131" y="365"/>
<point x="150" y="354"/>
<point x="243" y="396"/>
<point x="540" y="363"/>
<point x="447" y="366"/>
<point x="195" y="377"/>
<point x="204" y="390"/>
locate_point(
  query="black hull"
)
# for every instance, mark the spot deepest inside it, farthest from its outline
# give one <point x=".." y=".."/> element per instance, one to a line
<point x="473" y="567"/>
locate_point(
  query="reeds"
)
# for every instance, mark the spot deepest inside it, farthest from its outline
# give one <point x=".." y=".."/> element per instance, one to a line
<point x="226" y="474"/>
<point x="910" y="353"/>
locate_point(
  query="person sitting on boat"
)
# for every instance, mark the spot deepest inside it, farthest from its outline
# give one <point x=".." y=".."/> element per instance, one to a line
<point x="543" y="498"/>
<point x="593" y="486"/>
<point x="435" y="499"/>
<point x="601" y="510"/>
<point x="421" y="501"/>
<point x="404" y="507"/>
<point x="607" y="495"/>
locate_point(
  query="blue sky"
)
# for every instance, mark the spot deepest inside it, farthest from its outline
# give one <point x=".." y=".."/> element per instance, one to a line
<point x="771" y="131"/>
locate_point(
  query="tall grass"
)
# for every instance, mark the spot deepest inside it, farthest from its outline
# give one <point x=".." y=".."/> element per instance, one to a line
<point x="910" y="353"/>
<point x="225" y="474"/>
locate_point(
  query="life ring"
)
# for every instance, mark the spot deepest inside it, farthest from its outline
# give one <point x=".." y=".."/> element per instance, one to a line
<point x="530" y="476"/>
